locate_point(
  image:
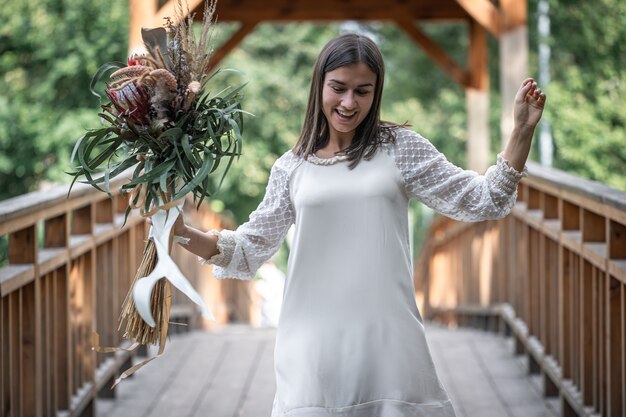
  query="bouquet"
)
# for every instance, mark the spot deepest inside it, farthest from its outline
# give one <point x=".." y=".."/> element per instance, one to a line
<point x="161" y="117"/>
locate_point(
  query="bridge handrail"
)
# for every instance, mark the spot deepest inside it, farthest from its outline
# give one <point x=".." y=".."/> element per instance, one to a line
<point x="70" y="265"/>
<point x="577" y="187"/>
<point x="553" y="273"/>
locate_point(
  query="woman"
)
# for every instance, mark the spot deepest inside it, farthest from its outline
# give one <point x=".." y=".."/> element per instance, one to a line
<point x="350" y="341"/>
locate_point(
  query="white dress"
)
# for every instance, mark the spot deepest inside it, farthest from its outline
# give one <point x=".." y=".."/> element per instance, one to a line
<point x="350" y="340"/>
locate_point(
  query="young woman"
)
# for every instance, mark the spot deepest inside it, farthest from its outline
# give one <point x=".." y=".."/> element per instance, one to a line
<point x="350" y="341"/>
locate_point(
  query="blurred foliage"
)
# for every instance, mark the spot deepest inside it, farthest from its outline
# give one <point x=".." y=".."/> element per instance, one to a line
<point x="587" y="94"/>
<point x="276" y="61"/>
<point x="50" y="49"/>
<point x="417" y="91"/>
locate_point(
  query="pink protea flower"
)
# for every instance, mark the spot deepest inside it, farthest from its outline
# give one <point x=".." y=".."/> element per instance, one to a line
<point x="131" y="101"/>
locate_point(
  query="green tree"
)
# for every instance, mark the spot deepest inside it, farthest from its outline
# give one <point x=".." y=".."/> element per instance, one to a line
<point x="49" y="51"/>
<point x="277" y="62"/>
<point x="586" y="102"/>
<point x="417" y="91"/>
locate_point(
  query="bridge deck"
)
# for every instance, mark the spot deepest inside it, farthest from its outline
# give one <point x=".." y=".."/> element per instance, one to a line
<point x="230" y="374"/>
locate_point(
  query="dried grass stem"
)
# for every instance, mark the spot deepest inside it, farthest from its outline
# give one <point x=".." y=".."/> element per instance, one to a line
<point x="136" y="328"/>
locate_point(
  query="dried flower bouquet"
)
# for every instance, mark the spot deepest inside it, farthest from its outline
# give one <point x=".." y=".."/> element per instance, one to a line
<point x="163" y="119"/>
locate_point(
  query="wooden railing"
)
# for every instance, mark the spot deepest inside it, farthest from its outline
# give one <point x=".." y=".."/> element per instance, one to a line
<point x="70" y="265"/>
<point x="554" y="274"/>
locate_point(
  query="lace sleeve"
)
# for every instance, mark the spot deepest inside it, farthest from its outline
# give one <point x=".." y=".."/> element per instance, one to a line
<point x="460" y="194"/>
<point x="243" y="251"/>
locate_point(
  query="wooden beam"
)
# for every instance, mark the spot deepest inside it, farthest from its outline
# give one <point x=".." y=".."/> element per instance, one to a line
<point x="477" y="108"/>
<point x="485" y="13"/>
<point x="333" y="15"/>
<point x="331" y="10"/>
<point x="478" y="57"/>
<point x="513" y="70"/>
<point x="230" y="44"/>
<point x="514" y="14"/>
<point x="435" y="52"/>
<point x="169" y="10"/>
<point x="477" y="99"/>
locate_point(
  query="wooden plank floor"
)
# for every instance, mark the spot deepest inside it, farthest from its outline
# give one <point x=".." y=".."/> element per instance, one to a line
<point x="230" y="374"/>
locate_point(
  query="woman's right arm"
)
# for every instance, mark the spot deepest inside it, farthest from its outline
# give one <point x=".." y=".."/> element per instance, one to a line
<point x="239" y="253"/>
<point x="195" y="241"/>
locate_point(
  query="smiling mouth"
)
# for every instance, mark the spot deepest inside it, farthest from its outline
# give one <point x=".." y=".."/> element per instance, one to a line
<point x="344" y="115"/>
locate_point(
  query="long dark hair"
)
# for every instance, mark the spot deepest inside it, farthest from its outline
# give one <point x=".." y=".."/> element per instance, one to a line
<point x="345" y="50"/>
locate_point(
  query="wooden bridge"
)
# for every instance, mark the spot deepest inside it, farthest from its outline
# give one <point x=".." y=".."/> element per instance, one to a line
<point x="550" y="279"/>
<point x="230" y="373"/>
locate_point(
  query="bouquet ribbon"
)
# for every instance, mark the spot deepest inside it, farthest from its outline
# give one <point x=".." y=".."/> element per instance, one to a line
<point x="162" y="223"/>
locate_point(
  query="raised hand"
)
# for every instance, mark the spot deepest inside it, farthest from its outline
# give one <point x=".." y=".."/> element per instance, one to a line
<point x="529" y="104"/>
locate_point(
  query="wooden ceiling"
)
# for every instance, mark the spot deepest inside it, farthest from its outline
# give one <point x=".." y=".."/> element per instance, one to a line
<point x="324" y="10"/>
<point x="482" y="17"/>
<point x="495" y="18"/>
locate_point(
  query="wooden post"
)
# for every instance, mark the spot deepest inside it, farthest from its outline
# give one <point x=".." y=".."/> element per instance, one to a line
<point x="477" y="100"/>
<point x="142" y="14"/>
<point x="4" y="357"/>
<point x="513" y="59"/>
<point x="588" y="276"/>
<point x="29" y="349"/>
<point x="477" y="104"/>
<point x="614" y="354"/>
<point x="15" y="363"/>
<point x="62" y="333"/>
<point x="513" y="70"/>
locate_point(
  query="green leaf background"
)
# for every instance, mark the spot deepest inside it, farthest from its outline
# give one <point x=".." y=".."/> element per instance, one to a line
<point x="50" y="49"/>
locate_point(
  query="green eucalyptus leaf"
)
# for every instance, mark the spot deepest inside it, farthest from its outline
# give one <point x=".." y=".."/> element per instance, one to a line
<point x="218" y="159"/>
<point x="126" y="213"/>
<point x="100" y="73"/>
<point x="106" y="153"/>
<point x="163" y="182"/>
<point x="107" y="184"/>
<point x="182" y="169"/>
<point x="89" y="180"/>
<point x="117" y="169"/>
<point x="92" y="140"/>
<point x="173" y="134"/>
<point x="77" y="145"/>
<point x="189" y="153"/>
<point x="154" y="174"/>
<point x="237" y="132"/>
<point x="230" y="161"/>
<point x="200" y="176"/>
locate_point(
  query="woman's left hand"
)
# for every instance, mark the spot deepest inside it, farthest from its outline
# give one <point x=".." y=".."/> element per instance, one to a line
<point x="529" y="104"/>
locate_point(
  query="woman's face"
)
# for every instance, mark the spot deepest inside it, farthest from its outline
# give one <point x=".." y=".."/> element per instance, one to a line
<point x="347" y="96"/>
